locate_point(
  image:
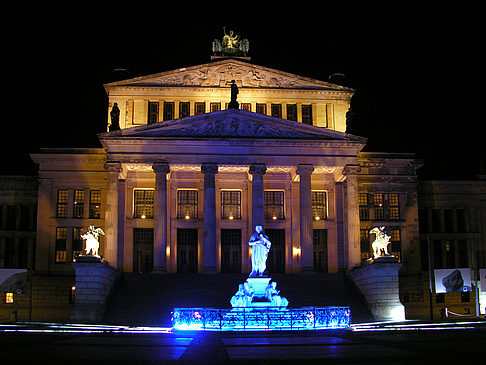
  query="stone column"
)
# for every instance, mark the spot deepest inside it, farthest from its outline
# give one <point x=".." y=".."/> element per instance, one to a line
<point x="112" y="168"/>
<point x="305" y="199"/>
<point x="161" y="170"/>
<point x="352" y="223"/>
<point x="257" y="171"/>
<point x="209" y="226"/>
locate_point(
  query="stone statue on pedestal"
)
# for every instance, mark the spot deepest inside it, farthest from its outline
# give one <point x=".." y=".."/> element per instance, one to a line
<point x="260" y="246"/>
<point x="380" y="244"/>
<point x="92" y="242"/>
<point x="271" y="294"/>
<point x="115" y="118"/>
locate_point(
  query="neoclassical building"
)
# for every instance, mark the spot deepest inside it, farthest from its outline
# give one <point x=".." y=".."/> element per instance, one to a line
<point x="182" y="180"/>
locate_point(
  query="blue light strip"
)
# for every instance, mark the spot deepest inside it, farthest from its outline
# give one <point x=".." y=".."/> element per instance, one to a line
<point x="251" y="319"/>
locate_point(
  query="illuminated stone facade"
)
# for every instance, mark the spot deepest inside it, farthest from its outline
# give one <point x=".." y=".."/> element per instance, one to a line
<point x="183" y="180"/>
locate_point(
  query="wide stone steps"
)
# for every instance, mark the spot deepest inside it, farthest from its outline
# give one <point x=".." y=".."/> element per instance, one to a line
<point x="147" y="299"/>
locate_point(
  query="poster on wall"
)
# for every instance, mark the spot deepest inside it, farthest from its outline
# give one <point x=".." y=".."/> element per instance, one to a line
<point x="482" y="275"/>
<point x="452" y="280"/>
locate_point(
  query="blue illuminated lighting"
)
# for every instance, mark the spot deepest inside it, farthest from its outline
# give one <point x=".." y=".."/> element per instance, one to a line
<point x="251" y="319"/>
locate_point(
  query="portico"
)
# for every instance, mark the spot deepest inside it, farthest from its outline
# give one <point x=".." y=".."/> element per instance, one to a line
<point x="213" y="156"/>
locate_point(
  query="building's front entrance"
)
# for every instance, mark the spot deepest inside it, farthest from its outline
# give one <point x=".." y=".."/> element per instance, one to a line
<point x="187" y="250"/>
<point x="276" y="255"/>
<point x="231" y="250"/>
<point x="143" y="250"/>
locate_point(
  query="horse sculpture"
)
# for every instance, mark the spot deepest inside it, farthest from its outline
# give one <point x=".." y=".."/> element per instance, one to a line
<point x="381" y="242"/>
<point x="92" y="243"/>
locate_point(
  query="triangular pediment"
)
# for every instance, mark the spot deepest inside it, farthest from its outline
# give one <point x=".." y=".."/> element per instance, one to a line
<point x="232" y="123"/>
<point x="220" y="73"/>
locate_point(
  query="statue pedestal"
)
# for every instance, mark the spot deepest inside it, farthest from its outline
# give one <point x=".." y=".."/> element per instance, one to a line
<point x="378" y="283"/>
<point x="88" y="258"/>
<point x="259" y="285"/>
<point x="94" y="282"/>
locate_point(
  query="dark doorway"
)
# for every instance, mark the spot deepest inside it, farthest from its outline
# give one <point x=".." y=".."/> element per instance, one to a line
<point x="319" y="239"/>
<point x="276" y="255"/>
<point x="187" y="250"/>
<point x="231" y="250"/>
<point x="143" y="250"/>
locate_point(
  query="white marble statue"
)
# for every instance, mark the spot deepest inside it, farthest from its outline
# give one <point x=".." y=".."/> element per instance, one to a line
<point x="92" y="242"/>
<point x="260" y="246"/>
<point x="381" y="242"/>
<point x="271" y="293"/>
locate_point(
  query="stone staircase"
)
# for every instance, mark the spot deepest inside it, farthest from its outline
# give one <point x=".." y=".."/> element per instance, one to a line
<point x="147" y="299"/>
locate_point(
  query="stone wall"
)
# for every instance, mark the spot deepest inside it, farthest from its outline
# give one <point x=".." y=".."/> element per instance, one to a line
<point x="94" y="282"/>
<point x="378" y="283"/>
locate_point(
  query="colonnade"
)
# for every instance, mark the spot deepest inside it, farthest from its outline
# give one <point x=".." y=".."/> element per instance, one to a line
<point x="350" y="252"/>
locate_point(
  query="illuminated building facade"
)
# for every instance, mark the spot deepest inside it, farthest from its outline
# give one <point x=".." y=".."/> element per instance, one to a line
<point x="181" y="180"/>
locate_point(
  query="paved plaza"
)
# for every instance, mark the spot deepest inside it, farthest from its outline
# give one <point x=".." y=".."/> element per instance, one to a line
<point x="410" y="343"/>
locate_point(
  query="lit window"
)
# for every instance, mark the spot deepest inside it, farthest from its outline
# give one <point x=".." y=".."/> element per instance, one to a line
<point x="230" y="204"/>
<point x="77" y="242"/>
<point x="78" y="204"/>
<point x="396" y="245"/>
<point x="319" y="210"/>
<point x="187" y="204"/>
<point x="94" y="204"/>
<point x="364" y="213"/>
<point x="9" y="298"/>
<point x="143" y="203"/>
<point x="61" y="233"/>
<point x="394" y="206"/>
<point x="62" y="203"/>
<point x="274" y="204"/>
<point x="378" y="205"/>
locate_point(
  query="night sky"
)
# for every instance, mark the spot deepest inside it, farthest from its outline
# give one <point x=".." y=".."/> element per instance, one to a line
<point x="415" y="71"/>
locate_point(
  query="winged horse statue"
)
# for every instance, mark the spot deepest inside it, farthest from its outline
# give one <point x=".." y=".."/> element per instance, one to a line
<point x="92" y="242"/>
<point x="381" y="241"/>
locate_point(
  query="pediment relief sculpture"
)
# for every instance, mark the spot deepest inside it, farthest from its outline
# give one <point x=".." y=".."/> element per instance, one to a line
<point x="220" y="73"/>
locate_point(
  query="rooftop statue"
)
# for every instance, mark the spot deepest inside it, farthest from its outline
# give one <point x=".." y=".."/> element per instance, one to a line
<point x="115" y="118"/>
<point x="380" y="244"/>
<point x="233" y="104"/>
<point x="92" y="242"/>
<point x="229" y="40"/>
<point x="260" y="246"/>
<point x="231" y="45"/>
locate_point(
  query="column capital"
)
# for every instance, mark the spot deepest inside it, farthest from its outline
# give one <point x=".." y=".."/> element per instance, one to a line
<point x="113" y="166"/>
<point x="209" y="168"/>
<point x="304" y="169"/>
<point x="161" y="167"/>
<point x="351" y="170"/>
<point x="258" y="169"/>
